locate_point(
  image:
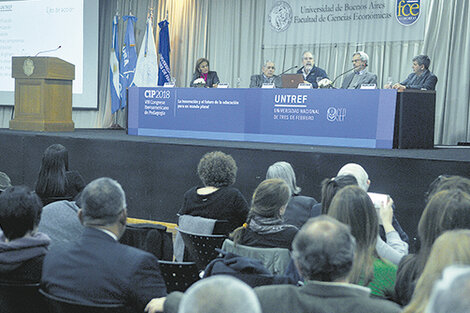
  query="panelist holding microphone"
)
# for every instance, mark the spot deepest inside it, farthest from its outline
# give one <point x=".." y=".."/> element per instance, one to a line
<point x="267" y="76"/>
<point x="360" y="76"/>
<point x="312" y="74"/>
<point x="202" y="76"/>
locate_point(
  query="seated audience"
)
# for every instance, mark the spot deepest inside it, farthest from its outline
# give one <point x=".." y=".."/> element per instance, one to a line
<point x="59" y="220"/>
<point x="452" y="247"/>
<point x="393" y="241"/>
<point x="323" y="252"/>
<point x="97" y="269"/>
<point x="54" y="179"/>
<point x="22" y="248"/>
<point x="421" y="78"/>
<point x="216" y="199"/>
<point x="450" y="293"/>
<point x="5" y="182"/>
<point x="264" y="226"/>
<point x="202" y="76"/>
<point x="353" y="206"/>
<point x="446" y="210"/>
<point x="267" y="76"/>
<point x="360" y="75"/>
<point x="299" y="207"/>
<point x="215" y="294"/>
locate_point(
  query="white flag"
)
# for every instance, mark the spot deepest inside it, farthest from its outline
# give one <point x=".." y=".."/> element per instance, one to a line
<point x="146" y="71"/>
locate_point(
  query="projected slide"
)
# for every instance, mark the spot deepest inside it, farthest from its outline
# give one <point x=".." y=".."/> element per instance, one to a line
<point x="51" y="28"/>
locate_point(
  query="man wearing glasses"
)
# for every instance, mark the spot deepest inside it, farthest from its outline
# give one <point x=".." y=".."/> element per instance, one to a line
<point x="267" y="76"/>
<point x="312" y="74"/>
<point x="360" y="76"/>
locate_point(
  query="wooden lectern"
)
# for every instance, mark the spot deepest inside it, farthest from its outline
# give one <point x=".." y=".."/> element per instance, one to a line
<point x="43" y="94"/>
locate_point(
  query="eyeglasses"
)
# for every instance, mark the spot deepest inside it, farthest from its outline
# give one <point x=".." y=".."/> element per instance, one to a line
<point x="270" y="67"/>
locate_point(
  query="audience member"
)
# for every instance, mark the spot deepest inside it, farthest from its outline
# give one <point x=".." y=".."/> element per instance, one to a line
<point x="264" y="226"/>
<point x="360" y="75"/>
<point x="446" y="210"/>
<point x="450" y="294"/>
<point x="421" y="78"/>
<point x="267" y="76"/>
<point x="5" y="182"/>
<point x="312" y="74"/>
<point x="202" y="76"/>
<point x="353" y="206"/>
<point x="446" y="182"/>
<point x="299" y="207"/>
<point x="54" y="179"/>
<point x="59" y="220"/>
<point x="97" y="269"/>
<point x="22" y="248"/>
<point x="452" y="247"/>
<point x="215" y="294"/>
<point x="329" y="188"/>
<point x="217" y="199"/>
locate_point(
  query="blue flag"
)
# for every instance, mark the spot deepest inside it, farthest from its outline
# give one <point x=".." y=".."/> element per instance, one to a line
<point x="114" y="81"/>
<point x="164" y="51"/>
<point x="128" y="59"/>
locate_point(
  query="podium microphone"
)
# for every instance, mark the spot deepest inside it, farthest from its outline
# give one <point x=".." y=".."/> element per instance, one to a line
<point x="45" y="51"/>
<point x="291" y="68"/>
<point x="336" y="78"/>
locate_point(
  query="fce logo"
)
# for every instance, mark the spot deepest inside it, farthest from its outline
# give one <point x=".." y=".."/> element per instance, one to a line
<point x="407" y="12"/>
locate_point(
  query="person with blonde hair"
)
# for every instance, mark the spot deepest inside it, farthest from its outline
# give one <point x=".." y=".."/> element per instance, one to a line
<point x="452" y="247"/>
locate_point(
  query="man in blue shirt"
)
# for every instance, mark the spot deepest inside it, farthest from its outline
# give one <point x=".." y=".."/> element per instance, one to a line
<point x="421" y="78"/>
<point x="312" y="74"/>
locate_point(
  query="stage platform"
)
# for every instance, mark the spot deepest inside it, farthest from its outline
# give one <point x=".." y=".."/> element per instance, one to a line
<point x="155" y="172"/>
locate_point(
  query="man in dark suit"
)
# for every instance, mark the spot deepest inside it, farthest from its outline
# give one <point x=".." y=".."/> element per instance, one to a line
<point x="267" y="76"/>
<point x="360" y="76"/>
<point x="323" y="252"/>
<point x="311" y="72"/>
<point x="97" y="269"/>
<point x="421" y="78"/>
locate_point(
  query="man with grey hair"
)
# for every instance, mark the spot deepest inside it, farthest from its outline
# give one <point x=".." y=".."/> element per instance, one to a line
<point x="323" y="252"/>
<point x="220" y="293"/>
<point x="360" y="76"/>
<point x="266" y="77"/>
<point x="421" y="78"/>
<point x="450" y="293"/>
<point x="96" y="269"/>
<point x="312" y="74"/>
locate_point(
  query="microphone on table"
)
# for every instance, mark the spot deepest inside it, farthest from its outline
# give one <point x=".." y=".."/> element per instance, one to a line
<point x="336" y="78"/>
<point x="295" y="66"/>
<point x="45" y="51"/>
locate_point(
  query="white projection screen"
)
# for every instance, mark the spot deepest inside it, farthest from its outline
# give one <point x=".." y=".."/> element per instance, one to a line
<point x="38" y="26"/>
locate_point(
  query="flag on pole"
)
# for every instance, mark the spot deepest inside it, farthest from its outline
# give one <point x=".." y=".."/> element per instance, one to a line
<point x="128" y="59"/>
<point x="164" y="51"/>
<point x="114" y="81"/>
<point x="146" y="71"/>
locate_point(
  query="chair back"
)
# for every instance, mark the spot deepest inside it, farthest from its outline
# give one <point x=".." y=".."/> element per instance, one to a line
<point x="59" y="305"/>
<point x="20" y="297"/>
<point x="201" y="248"/>
<point x="178" y="276"/>
<point x="274" y="259"/>
<point x="152" y="238"/>
<point x="222" y="227"/>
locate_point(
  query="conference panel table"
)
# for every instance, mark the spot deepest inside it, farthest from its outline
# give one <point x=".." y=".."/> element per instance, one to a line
<point x="330" y="117"/>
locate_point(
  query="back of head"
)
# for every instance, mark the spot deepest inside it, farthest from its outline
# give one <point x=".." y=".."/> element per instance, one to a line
<point x="51" y="178"/>
<point x="324" y="249"/>
<point x="5" y="182"/>
<point x="284" y="170"/>
<point x="217" y="169"/>
<point x="450" y="294"/>
<point x="353" y="207"/>
<point x="358" y="172"/>
<point x="452" y="247"/>
<point x="446" y="182"/>
<point x="330" y="186"/>
<point x="102" y="201"/>
<point x="20" y="211"/>
<point x="269" y="197"/>
<point x="446" y="210"/>
<point x="219" y="293"/>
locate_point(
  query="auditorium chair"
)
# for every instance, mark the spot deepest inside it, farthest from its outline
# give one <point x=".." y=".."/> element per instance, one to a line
<point x="152" y="238"/>
<point x="178" y="276"/>
<point x="19" y="297"/>
<point x="201" y="248"/>
<point x="274" y="259"/>
<point x="59" y="305"/>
